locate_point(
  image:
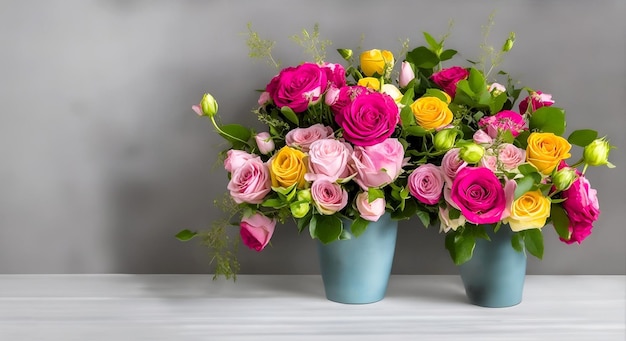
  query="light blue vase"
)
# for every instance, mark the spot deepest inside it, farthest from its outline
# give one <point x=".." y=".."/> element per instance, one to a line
<point x="357" y="270"/>
<point x="494" y="277"/>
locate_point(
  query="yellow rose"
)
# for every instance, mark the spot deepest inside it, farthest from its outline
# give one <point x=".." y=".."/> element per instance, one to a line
<point x="376" y="62"/>
<point x="288" y="167"/>
<point x="370" y="82"/>
<point x="529" y="211"/>
<point x="546" y="150"/>
<point x="431" y="112"/>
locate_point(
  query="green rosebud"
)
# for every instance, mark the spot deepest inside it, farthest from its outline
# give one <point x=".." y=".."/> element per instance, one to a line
<point x="597" y="153"/>
<point x="508" y="44"/>
<point x="564" y="178"/>
<point x="345" y="53"/>
<point x="299" y="210"/>
<point x="208" y="105"/>
<point x="471" y="152"/>
<point x="445" y="139"/>
<point x="304" y="195"/>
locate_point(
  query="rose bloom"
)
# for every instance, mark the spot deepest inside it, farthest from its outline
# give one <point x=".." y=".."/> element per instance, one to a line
<point x="529" y="211"/>
<point x="490" y="162"/>
<point x="406" y="74"/>
<point x="328" y="159"/>
<point x="446" y="79"/>
<point x="336" y="74"/>
<point x="328" y="197"/>
<point x="546" y="150"/>
<point x="370" y="83"/>
<point x="582" y="208"/>
<point x="303" y="137"/>
<point x="376" y="62"/>
<point x="371" y="211"/>
<point x="264" y="142"/>
<point x="451" y="164"/>
<point x="479" y="195"/>
<point x="378" y="165"/>
<point x="287" y="167"/>
<point x="236" y="158"/>
<point x="448" y="224"/>
<point x="369" y="118"/>
<point x="431" y="112"/>
<point x="536" y="100"/>
<point x="505" y="120"/>
<point x="510" y="156"/>
<point x="480" y="137"/>
<point x="250" y="182"/>
<point x="426" y="183"/>
<point x="256" y="231"/>
<point x="297" y="87"/>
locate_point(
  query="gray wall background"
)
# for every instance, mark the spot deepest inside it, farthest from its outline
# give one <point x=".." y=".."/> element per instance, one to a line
<point x="103" y="161"/>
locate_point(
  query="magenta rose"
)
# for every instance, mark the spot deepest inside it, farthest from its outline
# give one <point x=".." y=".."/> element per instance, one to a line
<point x="451" y="164"/>
<point x="479" y="195"/>
<point x="378" y="165"/>
<point x="256" y="231"/>
<point x="303" y="137"/>
<point x="371" y="211"/>
<point x="336" y="74"/>
<point x="368" y="118"/>
<point x="582" y="208"/>
<point x="426" y="183"/>
<point x="505" y="120"/>
<point x="536" y="101"/>
<point x="328" y="197"/>
<point x="236" y="158"/>
<point x="446" y="79"/>
<point x="328" y="159"/>
<point x="297" y="87"/>
<point x="250" y="182"/>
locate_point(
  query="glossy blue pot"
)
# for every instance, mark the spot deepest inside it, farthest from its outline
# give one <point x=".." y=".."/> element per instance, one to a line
<point x="494" y="277"/>
<point x="357" y="270"/>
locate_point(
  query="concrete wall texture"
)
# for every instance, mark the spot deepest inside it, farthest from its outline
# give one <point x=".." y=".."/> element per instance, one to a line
<point x="103" y="160"/>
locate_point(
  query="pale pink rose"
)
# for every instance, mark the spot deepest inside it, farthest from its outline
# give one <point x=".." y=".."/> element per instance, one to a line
<point x="328" y="197"/>
<point x="371" y="211"/>
<point x="480" y="137"/>
<point x="250" y="182"/>
<point x="196" y="108"/>
<point x="510" y="156"/>
<point x="447" y="223"/>
<point x="378" y="165"/>
<point x="406" y="74"/>
<point x="264" y="142"/>
<point x="509" y="194"/>
<point x="236" y="158"/>
<point x="489" y="161"/>
<point x="264" y="98"/>
<point x="451" y="164"/>
<point x="331" y="96"/>
<point x="426" y="183"/>
<point x="328" y="159"/>
<point x="499" y="88"/>
<point x="256" y="231"/>
<point x="303" y="137"/>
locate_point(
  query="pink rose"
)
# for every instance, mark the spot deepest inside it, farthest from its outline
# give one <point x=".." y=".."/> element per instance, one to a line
<point x="479" y="195"/>
<point x="250" y="182"/>
<point x="497" y="88"/>
<point x="581" y="206"/>
<point x="371" y="211"/>
<point x="426" y="183"/>
<point x="264" y="98"/>
<point x="406" y="74"/>
<point x="378" y="165"/>
<point x="451" y="164"/>
<point x="336" y="74"/>
<point x="369" y="118"/>
<point x="446" y="79"/>
<point x="536" y="100"/>
<point x="298" y="87"/>
<point x="236" y="158"/>
<point x="505" y="120"/>
<point x="264" y="142"/>
<point x="480" y="137"/>
<point x="256" y="231"/>
<point x="328" y="159"/>
<point x="510" y="156"/>
<point x="303" y="137"/>
<point x="447" y="223"/>
<point x="490" y="162"/>
<point x="328" y="197"/>
<point x="332" y="95"/>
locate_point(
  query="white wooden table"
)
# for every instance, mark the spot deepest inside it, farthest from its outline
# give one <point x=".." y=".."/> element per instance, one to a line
<point x="270" y="307"/>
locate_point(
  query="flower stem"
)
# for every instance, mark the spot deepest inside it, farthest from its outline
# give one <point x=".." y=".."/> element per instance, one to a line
<point x="219" y="130"/>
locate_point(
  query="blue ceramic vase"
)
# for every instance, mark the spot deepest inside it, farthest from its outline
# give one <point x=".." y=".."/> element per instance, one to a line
<point x="357" y="270"/>
<point x="494" y="277"/>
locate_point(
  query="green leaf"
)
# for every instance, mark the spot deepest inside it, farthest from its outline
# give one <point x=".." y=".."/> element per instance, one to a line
<point x="477" y="81"/>
<point x="424" y="217"/>
<point x="407" y="98"/>
<point x="460" y="247"/>
<point x="416" y="131"/>
<point x="479" y="232"/>
<point x="185" y="235"/>
<point x="523" y="185"/>
<point x="582" y="137"/>
<point x="526" y="169"/>
<point x="345" y="235"/>
<point x="447" y="54"/>
<point x="497" y="103"/>
<point x="290" y="115"/>
<point x="517" y="242"/>
<point x="237" y="130"/>
<point x="436" y="93"/>
<point x="548" y="119"/>
<point x="434" y="45"/>
<point x="304" y="221"/>
<point x="409" y="210"/>
<point x="359" y="225"/>
<point x="374" y="193"/>
<point x="422" y="58"/>
<point x="407" y="117"/>
<point x="464" y="86"/>
<point x="325" y="228"/>
<point x="533" y="240"/>
<point x="522" y="138"/>
<point x="274" y="202"/>
<point x="560" y="221"/>
<point x="507" y="136"/>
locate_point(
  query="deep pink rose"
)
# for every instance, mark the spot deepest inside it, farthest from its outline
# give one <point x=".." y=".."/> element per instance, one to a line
<point x="328" y="159"/>
<point x="368" y="118"/>
<point x="298" y="87"/>
<point x="336" y="74"/>
<point x="371" y="211"/>
<point x="303" y="137"/>
<point x="426" y="183"/>
<point x="328" y="197"/>
<point x="236" y="158"/>
<point x="446" y="79"/>
<point x="378" y="165"/>
<point x="256" y="231"/>
<point x="511" y="156"/>
<point x="479" y="195"/>
<point x="250" y="182"/>
<point x="536" y="100"/>
<point x="581" y="206"/>
<point x="505" y="120"/>
<point x="451" y="164"/>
